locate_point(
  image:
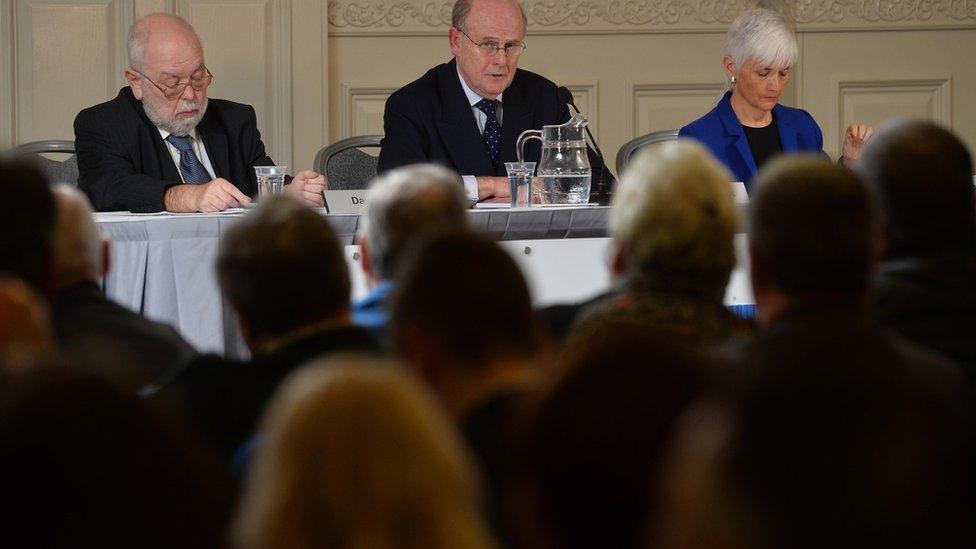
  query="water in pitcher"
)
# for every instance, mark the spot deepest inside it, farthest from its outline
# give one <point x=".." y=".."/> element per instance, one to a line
<point x="565" y="189"/>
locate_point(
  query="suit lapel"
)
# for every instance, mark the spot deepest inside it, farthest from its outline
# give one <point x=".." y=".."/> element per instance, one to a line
<point x="169" y="170"/>
<point x="787" y="135"/>
<point x="458" y="128"/>
<point x="516" y="118"/>
<point x="734" y="132"/>
<point x="216" y="144"/>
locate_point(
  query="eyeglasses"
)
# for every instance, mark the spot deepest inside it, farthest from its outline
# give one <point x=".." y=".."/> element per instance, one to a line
<point x="176" y="89"/>
<point x="512" y="49"/>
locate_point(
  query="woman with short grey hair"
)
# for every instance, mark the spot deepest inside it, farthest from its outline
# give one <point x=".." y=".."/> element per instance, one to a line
<point x="749" y="126"/>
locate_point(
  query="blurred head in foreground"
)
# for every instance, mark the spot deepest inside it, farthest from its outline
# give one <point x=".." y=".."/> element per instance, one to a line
<point x="922" y="175"/>
<point x="282" y="269"/>
<point x="357" y="454"/>
<point x="814" y="234"/>
<point x="674" y="218"/>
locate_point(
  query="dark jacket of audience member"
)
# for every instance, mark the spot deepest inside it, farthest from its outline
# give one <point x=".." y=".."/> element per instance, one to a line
<point x="477" y="350"/>
<point x="844" y="435"/>
<point x="925" y="285"/>
<point x="595" y="442"/>
<point x="84" y="320"/>
<point x="282" y="270"/>
<point x="85" y="464"/>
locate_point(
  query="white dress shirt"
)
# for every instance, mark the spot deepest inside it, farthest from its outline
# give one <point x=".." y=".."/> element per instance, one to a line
<point x="471" y="181"/>
<point x="198" y="149"/>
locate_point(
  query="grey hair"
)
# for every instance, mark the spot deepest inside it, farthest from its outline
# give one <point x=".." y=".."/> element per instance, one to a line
<point x="77" y="242"/>
<point x="408" y="202"/>
<point x="459" y="15"/>
<point x="673" y="211"/>
<point x="135" y="42"/>
<point x="762" y="36"/>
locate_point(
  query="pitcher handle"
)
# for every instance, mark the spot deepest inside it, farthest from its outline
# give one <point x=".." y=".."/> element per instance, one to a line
<point x="522" y="138"/>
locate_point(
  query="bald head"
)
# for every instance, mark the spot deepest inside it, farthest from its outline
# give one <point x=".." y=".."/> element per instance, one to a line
<point x="78" y="249"/>
<point x="161" y="37"/>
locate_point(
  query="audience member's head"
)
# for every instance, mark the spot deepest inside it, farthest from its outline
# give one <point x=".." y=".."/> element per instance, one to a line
<point x="404" y="205"/>
<point x="25" y="329"/>
<point x="357" y="454"/>
<point x="814" y="231"/>
<point x="79" y="251"/>
<point x="674" y="216"/>
<point x="282" y="268"/>
<point x="87" y="465"/>
<point x="26" y="224"/>
<point x="922" y="175"/>
<point x="462" y="308"/>
<point x="595" y="442"/>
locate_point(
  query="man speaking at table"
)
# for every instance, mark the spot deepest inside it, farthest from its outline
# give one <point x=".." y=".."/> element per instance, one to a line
<point x="161" y="144"/>
<point x="468" y="113"/>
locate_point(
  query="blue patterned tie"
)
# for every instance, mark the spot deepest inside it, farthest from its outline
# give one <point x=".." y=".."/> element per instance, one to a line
<point x="493" y="131"/>
<point x="191" y="168"/>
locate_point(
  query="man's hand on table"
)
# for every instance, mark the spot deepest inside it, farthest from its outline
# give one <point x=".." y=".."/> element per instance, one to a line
<point x="216" y="196"/>
<point x="307" y="186"/>
<point x="492" y="187"/>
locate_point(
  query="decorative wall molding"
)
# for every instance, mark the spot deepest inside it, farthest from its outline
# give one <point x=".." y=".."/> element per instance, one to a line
<point x="586" y="95"/>
<point x="251" y="61"/>
<point x="420" y="17"/>
<point x="872" y="101"/>
<point x="361" y="108"/>
<point x="679" y="103"/>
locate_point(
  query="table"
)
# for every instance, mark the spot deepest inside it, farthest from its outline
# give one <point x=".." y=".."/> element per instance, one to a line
<point x="163" y="264"/>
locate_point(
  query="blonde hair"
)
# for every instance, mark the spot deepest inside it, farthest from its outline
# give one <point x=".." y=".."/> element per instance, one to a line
<point x="356" y="454"/>
<point x="673" y="210"/>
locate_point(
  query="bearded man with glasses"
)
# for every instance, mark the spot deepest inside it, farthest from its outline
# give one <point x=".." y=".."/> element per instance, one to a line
<point x="468" y="113"/>
<point x="161" y="144"/>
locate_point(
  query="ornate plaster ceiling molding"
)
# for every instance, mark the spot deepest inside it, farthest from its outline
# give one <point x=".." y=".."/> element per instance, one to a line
<point x="419" y="17"/>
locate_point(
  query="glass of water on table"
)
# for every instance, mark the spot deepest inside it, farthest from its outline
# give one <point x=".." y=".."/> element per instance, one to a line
<point x="271" y="180"/>
<point x="520" y="183"/>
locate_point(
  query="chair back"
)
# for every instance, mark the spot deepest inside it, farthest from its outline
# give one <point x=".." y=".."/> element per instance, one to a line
<point x="57" y="171"/>
<point x="629" y="148"/>
<point x="345" y="165"/>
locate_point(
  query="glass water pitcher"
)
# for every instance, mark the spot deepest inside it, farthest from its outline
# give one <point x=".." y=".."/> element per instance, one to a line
<point x="564" y="169"/>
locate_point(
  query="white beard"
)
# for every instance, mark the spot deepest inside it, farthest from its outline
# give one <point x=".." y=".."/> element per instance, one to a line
<point x="178" y="127"/>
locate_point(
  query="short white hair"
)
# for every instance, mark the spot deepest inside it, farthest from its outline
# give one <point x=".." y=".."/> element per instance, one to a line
<point x="762" y="36"/>
<point x="136" y="41"/>
<point x="407" y="202"/>
<point x="673" y="211"/>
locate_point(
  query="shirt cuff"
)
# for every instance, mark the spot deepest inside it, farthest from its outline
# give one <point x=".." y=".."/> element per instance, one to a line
<point x="470" y="186"/>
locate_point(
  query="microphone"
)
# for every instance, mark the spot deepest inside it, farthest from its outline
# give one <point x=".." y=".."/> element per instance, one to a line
<point x="602" y="197"/>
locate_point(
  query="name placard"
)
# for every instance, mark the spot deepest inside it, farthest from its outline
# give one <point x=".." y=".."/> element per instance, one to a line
<point x="353" y="201"/>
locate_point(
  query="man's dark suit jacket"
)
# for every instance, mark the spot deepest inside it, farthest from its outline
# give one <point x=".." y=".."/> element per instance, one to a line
<point x="931" y="301"/>
<point x="82" y="316"/>
<point x="430" y="120"/>
<point x="124" y="164"/>
<point x="226" y="399"/>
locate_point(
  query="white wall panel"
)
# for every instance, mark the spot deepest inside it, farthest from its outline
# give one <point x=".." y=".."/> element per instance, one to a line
<point x="69" y="55"/>
<point x="247" y="47"/>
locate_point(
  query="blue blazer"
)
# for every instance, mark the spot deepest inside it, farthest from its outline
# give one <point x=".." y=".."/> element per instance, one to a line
<point x="722" y="133"/>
